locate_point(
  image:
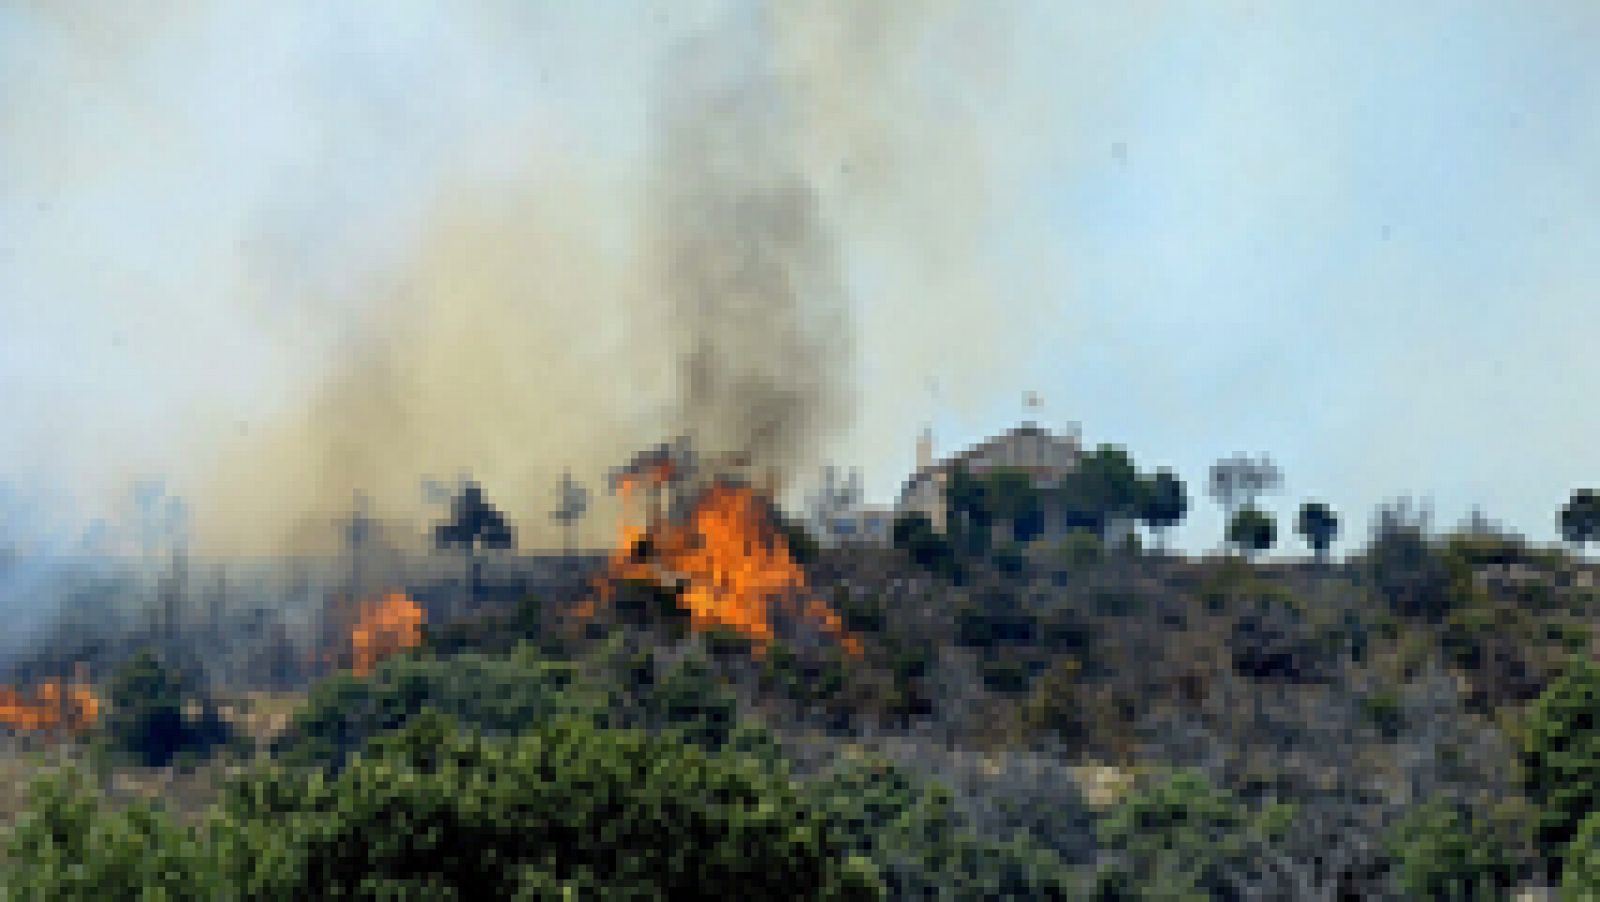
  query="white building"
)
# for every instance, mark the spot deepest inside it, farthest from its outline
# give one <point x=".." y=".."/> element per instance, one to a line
<point x="1041" y="453"/>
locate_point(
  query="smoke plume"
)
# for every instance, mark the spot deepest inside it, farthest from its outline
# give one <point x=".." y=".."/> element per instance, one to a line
<point x="383" y="251"/>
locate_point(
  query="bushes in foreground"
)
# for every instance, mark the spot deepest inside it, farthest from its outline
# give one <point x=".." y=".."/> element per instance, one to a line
<point x="436" y="812"/>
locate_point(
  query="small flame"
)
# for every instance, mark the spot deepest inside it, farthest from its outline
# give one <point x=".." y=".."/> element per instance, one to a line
<point x="54" y="706"/>
<point x="734" y="566"/>
<point x="385" y="627"/>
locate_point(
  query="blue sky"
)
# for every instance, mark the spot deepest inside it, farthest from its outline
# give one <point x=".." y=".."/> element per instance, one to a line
<point x="1362" y="237"/>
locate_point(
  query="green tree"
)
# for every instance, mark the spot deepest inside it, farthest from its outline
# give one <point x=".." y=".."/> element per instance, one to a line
<point x="1447" y="851"/>
<point x="968" y="515"/>
<point x="1561" y="755"/>
<point x="1252" y="530"/>
<point x="1163" y="502"/>
<point x="150" y="718"/>
<point x="1014" y="500"/>
<point x="913" y="533"/>
<point x="1318" y="525"/>
<point x="1104" y="488"/>
<point x="1579" y="520"/>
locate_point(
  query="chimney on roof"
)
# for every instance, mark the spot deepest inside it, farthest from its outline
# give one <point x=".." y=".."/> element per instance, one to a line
<point x="925" y="449"/>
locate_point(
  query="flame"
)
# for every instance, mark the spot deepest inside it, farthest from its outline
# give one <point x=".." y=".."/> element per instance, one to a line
<point x="385" y="627"/>
<point x="54" y="706"/>
<point x="733" y="565"/>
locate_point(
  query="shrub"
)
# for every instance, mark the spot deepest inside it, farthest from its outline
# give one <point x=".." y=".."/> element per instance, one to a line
<point x="689" y="698"/>
<point x="434" y="812"/>
<point x="1008" y="559"/>
<point x="1580" y="877"/>
<point x="914" y="834"/>
<point x="150" y="721"/>
<point x="1181" y="838"/>
<point x="1448" y="851"/>
<point x="1409" y="573"/>
<point x="1081" y="548"/>
<point x="1270" y="641"/>
<point x="1383" y="710"/>
<point x="495" y="694"/>
<point x="69" y="845"/>
<point x="1561" y="755"/>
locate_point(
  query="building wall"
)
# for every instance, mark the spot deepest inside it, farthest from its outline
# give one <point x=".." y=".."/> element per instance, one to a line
<point x="1047" y="456"/>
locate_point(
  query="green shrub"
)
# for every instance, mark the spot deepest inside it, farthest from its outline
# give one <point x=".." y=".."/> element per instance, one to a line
<point x="69" y="845"/>
<point x="1180" y="838"/>
<point x="496" y="694"/>
<point x="690" y="699"/>
<point x="1383" y="710"/>
<point x="1081" y="548"/>
<point x="1448" y="851"/>
<point x="1561" y="754"/>
<point x="149" y="721"/>
<point x="1580" y="877"/>
<point x="914" y="835"/>
<point x="432" y="812"/>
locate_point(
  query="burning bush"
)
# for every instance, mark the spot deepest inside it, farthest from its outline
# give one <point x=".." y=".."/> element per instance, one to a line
<point x="54" y="706"/>
<point x="727" y="563"/>
<point x="391" y="625"/>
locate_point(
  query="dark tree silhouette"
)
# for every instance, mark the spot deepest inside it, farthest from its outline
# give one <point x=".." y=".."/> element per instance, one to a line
<point x="1253" y="530"/>
<point x="1579" y="521"/>
<point x="1319" y="526"/>
<point x="474" y="525"/>
<point x="574" y="503"/>
<point x="1163" y="502"/>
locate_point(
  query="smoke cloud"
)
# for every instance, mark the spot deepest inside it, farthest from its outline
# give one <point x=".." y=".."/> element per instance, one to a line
<point x="377" y="252"/>
<point x="556" y="321"/>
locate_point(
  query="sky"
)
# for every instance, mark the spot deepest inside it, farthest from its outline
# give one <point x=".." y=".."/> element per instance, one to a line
<point x="1363" y="238"/>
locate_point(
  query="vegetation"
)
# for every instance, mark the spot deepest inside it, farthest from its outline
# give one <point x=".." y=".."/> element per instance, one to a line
<point x="437" y="812"/>
<point x="1448" y="851"/>
<point x="1054" y="721"/>
<point x="1561" y="755"/>
<point x="1252" y="531"/>
<point x="1579" y="520"/>
<point x="1163" y="501"/>
<point x="159" y="715"/>
<point x="1318" y="525"/>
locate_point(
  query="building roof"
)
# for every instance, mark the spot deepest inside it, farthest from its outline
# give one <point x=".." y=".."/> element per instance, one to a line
<point x="978" y="451"/>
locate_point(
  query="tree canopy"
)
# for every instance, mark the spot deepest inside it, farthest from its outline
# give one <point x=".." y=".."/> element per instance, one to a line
<point x="1163" y="501"/>
<point x="1252" y="530"/>
<point x="1579" y="521"/>
<point x="1318" y="525"/>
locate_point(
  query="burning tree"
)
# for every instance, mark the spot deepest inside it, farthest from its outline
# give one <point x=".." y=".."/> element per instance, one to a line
<point x="474" y="525"/>
<point x="718" y="547"/>
<point x="385" y="627"/>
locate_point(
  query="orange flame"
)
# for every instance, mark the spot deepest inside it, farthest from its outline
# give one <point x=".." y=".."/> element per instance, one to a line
<point x="733" y="565"/>
<point x="54" y="706"/>
<point x="385" y="627"/>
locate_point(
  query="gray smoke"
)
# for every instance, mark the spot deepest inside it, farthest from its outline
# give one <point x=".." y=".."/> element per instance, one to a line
<point x="756" y="307"/>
